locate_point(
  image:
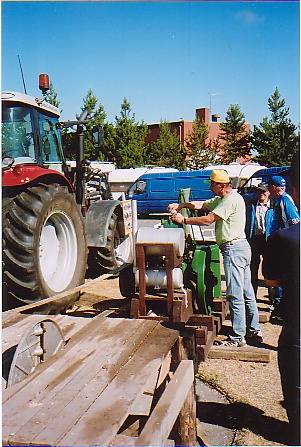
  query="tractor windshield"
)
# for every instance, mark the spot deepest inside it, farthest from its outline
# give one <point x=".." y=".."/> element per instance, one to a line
<point x="50" y="139"/>
<point x="17" y="133"/>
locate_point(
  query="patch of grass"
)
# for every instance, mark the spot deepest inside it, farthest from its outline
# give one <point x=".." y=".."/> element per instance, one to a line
<point x="238" y="405"/>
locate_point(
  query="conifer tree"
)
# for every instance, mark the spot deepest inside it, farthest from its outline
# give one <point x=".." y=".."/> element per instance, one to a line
<point x="166" y="150"/>
<point x="97" y="116"/>
<point x="51" y="96"/>
<point x="199" y="152"/>
<point x="235" y="135"/>
<point x="125" y="141"/>
<point x="276" y="138"/>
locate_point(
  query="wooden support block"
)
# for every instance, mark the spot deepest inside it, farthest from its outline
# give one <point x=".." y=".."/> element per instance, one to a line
<point x="202" y="320"/>
<point x="217" y="321"/>
<point x="134" y="312"/>
<point x="264" y="317"/>
<point x="245" y="353"/>
<point x="218" y="305"/>
<point x="201" y="335"/>
<point x="221" y="306"/>
<point x="180" y="312"/>
<point x="203" y="350"/>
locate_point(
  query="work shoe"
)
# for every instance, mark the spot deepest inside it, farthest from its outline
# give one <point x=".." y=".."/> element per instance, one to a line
<point x="255" y="336"/>
<point x="231" y="343"/>
<point x="275" y="318"/>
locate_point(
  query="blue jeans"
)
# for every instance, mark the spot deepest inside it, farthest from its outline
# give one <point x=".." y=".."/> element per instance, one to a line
<point x="240" y="293"/>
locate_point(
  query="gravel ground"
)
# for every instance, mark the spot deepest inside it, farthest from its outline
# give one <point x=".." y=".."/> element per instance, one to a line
<point x="252" y="389"/>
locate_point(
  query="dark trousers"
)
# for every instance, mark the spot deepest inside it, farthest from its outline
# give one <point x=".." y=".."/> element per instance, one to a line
<point x="258" y="247"/>
<point x="289" y="367"/>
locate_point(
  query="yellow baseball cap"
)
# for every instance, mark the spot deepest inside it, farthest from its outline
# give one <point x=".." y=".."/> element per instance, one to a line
<point x="220" y="176"/>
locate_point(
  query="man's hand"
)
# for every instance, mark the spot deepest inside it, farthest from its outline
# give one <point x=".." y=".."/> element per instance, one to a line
<point x="177" y="218"/>
<point x="172" y="207"/>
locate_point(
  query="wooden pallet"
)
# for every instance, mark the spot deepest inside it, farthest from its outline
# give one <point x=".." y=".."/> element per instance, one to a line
<point x="116" y="382"/>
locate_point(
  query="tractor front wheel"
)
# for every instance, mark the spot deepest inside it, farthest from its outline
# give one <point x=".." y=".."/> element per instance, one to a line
<point x="116" y="253"/>
<point x="44" y="246"/>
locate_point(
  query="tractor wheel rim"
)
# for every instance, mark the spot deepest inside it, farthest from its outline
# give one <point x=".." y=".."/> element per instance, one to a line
<point x="122" y="249"/>
<point x="58" y="251"/>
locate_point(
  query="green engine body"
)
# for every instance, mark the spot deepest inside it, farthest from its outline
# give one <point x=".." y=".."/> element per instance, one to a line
<point x="201" y="267"/>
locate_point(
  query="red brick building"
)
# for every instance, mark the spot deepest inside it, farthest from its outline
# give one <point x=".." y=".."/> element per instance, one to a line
<point x="183" y="128"/>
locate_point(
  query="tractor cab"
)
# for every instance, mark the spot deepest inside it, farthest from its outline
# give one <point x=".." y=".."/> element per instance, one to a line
<point x="30" y="134"/>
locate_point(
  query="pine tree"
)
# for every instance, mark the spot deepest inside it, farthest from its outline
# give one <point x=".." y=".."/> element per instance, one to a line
<point x="166" y="150"/>
<point x="235" y="135"/>
<point x="200" y="153"/>
<point x="276" y="138"/>
<point x="51" y="96"/>
<point x="126" y="142"/>
<point x="97" y="116"/>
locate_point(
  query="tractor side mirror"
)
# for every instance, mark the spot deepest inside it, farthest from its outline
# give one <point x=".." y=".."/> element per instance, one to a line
<point x="98" y="136"/>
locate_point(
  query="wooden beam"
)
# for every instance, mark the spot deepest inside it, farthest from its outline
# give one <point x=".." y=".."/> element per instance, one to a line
<point x="245" y="353"/>
<point x="160" y="423"/>
<point x="14" y="313"/>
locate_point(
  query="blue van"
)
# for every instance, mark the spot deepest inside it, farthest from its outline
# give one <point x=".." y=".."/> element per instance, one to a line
<point x="154" y="192"/>
<point x="263" y="176"/>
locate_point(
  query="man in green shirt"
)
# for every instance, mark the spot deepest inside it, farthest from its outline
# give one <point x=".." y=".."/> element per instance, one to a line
<point x="227" y="210"/>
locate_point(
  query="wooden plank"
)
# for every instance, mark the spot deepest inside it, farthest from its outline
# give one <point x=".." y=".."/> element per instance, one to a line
<point x="123" y="440"/>
<point x="54" y="405"/>
<point x="245" y="353"/>
<point x="12" y="334"/>
<point x="78" y="344"/>
<point x="185" y="427"/>
<point x="159" y="425"/>
<point x="99" y="425"/>
<point x="140" y="261"/>
<point x="10" y="314"/>
<point x="143" y="402"/>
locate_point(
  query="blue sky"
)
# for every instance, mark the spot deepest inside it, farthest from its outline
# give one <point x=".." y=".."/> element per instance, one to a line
<point x="164" y="57"/>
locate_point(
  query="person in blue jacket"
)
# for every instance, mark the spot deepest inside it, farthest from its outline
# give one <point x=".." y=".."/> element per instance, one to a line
<point x="259" y="217"/>
<point x="285" y="211"/>
<point x="283" y="268"/>
<point x="285" y="214"/>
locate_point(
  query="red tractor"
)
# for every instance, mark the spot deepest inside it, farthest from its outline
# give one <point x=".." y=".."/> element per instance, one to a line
<point x="53" y="220"/>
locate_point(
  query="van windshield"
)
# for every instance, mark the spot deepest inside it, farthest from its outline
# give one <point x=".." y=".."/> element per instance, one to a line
<point x="137" y="188"/>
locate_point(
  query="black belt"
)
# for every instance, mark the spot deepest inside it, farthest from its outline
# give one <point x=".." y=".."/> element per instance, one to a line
<point x="232" y="242"/>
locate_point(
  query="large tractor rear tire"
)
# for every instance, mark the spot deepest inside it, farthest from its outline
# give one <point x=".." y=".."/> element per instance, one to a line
<point x="116" y="253"/>
<point x="44" y="247"/>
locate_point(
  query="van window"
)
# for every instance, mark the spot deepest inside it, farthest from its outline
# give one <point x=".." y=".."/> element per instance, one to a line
<point x="137" y="188"/>
<point x="162" y="185"/>
<point x="194" y="183"/>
